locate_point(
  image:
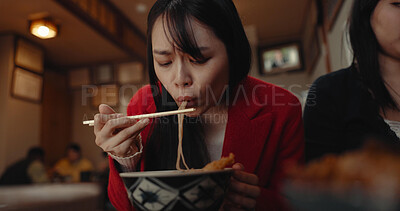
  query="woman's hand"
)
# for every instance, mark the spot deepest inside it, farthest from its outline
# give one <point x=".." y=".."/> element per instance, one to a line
<point x="117" y="134"/>
<point x="243" y="190"/>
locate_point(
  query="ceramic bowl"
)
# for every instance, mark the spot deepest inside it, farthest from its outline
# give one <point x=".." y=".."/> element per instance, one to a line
<point x="177" y="190"/>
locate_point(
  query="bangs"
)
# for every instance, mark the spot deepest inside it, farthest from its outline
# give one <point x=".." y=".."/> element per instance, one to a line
<point x="177" y="26"/>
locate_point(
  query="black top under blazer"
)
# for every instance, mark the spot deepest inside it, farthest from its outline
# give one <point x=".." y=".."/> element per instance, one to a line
<point x="341" y="114"/>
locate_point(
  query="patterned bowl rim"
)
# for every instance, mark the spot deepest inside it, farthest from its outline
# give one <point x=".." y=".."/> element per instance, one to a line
<point x="173" y="173"/>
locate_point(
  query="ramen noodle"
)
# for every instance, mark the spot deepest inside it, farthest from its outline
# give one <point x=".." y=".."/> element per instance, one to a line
<point x="214" y="165"/>
<point x="180" y="138"/>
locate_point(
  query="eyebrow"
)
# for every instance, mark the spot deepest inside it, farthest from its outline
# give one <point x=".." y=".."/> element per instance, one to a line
<point x="166" y="52"/>
<point x="161" y="52"/>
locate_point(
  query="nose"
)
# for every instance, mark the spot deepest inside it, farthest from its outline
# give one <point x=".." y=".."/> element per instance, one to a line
<point x="183" y="77"/>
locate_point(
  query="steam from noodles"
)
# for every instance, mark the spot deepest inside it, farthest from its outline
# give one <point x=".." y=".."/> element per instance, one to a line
<point x="180" y="137"/>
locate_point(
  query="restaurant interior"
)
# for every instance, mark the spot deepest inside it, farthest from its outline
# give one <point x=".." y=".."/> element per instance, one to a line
<point x="60" y="59"/>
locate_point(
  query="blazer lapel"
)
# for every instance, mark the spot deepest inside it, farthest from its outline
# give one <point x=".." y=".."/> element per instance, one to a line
<point x="245" y="135"/>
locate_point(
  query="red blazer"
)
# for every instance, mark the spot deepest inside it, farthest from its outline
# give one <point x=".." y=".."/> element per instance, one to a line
<point x="264" y="131"/>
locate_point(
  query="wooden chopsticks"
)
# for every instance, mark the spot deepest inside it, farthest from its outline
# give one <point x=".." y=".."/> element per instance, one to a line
<point x="153" y="115"/>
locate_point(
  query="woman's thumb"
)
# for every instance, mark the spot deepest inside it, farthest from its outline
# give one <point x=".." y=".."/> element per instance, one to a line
<point x="105" y="109"/>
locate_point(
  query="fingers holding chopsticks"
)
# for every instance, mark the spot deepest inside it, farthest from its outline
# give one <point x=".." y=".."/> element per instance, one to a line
<point x="106" y="113"/>
<point x="132" y="130"/>
<point x="101" y="119"/>
<point x="115" y="133"/>
<point x="114" y="125"/>
<point x="107" y="116"/>
<point x="122" y="142"/>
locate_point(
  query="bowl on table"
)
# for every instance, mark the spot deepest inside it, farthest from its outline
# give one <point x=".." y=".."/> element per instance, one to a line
<point x="177" y="190"/>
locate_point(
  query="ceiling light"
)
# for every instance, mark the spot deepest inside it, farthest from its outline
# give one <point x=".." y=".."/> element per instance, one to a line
<point x="43" y="28"/>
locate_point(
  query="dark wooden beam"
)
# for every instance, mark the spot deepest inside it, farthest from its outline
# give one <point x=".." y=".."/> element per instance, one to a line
<point x="109" y="21"/>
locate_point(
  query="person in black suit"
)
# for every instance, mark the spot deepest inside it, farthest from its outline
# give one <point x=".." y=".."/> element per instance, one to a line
<point x="26" y="171"/>
<point x="346" y="107"/>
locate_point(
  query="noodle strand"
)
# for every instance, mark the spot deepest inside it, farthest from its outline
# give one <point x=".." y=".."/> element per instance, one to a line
<point x="180" y="137"/>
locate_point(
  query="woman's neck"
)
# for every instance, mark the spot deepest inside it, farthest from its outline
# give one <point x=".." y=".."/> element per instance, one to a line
<point x="217" y="115"/>
<point x="390" y="69"/>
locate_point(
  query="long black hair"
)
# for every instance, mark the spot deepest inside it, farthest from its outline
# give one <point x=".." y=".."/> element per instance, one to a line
<point x="366" y="49"/>
<point x="223" y="20"/>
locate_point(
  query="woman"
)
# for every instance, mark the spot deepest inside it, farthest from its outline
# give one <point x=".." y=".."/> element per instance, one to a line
<point x="348" y="106"/>
<point x="198" y="52"/>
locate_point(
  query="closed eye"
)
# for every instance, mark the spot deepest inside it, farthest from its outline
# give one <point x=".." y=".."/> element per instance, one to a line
<point x="202" y="61"/>
<point x="397" y="4"/>
<point x="164" y="64"/>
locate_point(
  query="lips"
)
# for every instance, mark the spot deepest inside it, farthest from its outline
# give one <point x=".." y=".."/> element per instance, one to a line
<point x="191" y="101"/>
<point x="184" y="98"/>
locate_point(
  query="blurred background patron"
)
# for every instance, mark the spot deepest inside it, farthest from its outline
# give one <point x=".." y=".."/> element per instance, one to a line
<point x="26" y="171"/>
<point x="73" y="167"/>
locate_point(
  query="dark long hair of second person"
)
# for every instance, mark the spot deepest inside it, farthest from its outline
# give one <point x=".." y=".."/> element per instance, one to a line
<point x="366" y="48"/>
<point x="222" y="18"/>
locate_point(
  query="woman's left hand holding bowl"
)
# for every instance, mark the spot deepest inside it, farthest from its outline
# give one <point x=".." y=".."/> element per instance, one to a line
<point x="243" y="190"/>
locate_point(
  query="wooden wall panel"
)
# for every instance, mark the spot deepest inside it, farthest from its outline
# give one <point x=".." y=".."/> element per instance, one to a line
<point x="56" y="116"/>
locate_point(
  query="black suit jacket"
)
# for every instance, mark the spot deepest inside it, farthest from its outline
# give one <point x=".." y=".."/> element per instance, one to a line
<point x="16" y="174"/>
<point x="340" y="115"/>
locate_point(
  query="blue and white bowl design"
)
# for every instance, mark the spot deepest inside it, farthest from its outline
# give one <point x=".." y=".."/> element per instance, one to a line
<point x="177" y="190"/>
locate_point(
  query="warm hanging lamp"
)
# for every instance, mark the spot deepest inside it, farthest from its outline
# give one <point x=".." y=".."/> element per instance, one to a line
<point x="43" y="28"/>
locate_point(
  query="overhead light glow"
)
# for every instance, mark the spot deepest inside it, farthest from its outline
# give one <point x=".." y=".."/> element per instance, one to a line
<point x="43" y="28"/>
<point x="43" y="31"/>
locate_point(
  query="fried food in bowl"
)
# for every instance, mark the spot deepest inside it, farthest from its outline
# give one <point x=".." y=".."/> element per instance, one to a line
<point x="368" y="178"/>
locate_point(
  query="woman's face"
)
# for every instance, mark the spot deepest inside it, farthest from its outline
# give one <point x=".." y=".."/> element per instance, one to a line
<point x="201" y="83"/>
<point x="385" y="22"/>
